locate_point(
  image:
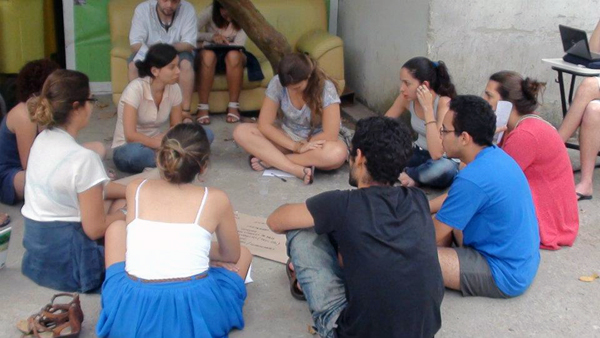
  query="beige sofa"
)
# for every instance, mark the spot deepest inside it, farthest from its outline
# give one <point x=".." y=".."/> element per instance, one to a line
<point x="302" y="22"/>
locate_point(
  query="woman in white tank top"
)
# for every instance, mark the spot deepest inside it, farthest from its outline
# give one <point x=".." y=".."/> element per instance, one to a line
<point x="425" y="91"/>
<point x="163" y="270"/>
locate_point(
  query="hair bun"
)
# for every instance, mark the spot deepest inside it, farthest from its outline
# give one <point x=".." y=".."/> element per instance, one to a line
<point x="171" y="156"/>
<point x="40" y="111"/>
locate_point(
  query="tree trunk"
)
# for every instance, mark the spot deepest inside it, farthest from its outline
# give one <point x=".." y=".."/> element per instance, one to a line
<point x="272" y="43"/>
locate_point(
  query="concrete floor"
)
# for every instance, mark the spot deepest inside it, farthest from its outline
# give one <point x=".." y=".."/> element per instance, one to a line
<point x="556" y="305"/>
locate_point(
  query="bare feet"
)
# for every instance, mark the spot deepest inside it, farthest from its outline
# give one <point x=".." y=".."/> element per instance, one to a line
<point x="406" y="181"/>
<point x="258" y="164"/>
<point x="309" y="174"/>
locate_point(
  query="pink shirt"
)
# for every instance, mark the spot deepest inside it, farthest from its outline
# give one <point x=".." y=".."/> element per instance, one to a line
<point x="540" y="152"/>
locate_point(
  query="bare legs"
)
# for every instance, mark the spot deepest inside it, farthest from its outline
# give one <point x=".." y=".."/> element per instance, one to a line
<point x="447" y="256"/>
<point x="234" y="71"/>
<point x="331" y="156"/>
<point x="586" y="114"/>
<point x="234" y="68"/>
<point x="205" y="78"/>
<point x="589" y="145"/>
<point x="132" y="71"/>
<point x="186" y="82"/>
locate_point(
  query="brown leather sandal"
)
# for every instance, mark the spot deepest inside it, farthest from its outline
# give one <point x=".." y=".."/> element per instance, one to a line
<point x="54" y="319"/>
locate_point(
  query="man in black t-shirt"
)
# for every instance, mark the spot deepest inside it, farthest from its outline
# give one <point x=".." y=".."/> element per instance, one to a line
<point x="387" y="282"/>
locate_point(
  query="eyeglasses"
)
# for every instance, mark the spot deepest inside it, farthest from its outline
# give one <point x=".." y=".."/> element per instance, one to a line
<point x="444" y="131"/>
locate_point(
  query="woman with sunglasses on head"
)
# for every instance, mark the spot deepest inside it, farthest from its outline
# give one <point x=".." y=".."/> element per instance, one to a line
<point x="307" y="137"/>
<point x="144" y="108"/>
<point x="425" y="90"/>
<point x="65" y="191"/>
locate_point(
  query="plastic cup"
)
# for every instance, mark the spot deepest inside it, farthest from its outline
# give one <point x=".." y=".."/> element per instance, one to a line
<point x="263" y="185"/>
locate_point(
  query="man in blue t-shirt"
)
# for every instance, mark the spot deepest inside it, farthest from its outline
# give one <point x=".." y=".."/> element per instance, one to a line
<point x="388" y="282"/>
<point x="489" y="211"/>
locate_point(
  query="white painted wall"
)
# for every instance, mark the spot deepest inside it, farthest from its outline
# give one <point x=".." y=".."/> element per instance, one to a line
<point x="479" y="37"/>
<point x="379" y="36"/>
<point x="474" y="37"/>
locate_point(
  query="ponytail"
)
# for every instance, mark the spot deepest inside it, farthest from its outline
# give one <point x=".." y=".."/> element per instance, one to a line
<point x="436" y="73"/>
<point x="443" y="85"/>
<point x="40" y="111"/>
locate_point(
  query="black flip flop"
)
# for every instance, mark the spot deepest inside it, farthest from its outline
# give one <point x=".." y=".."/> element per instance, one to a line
<point x="312" y="175"/>
<point x="260" y="163"/>
<point x="582" y="197"/>
<point x="294" y="290"/>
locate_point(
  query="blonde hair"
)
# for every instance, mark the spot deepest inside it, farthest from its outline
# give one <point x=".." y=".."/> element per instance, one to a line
<point x="183" y="153"/>
<point x="55" y="102"/>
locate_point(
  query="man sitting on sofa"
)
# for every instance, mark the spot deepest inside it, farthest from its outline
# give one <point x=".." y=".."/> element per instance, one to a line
<point x="489" y="211"/>
<point x="389" y="282"/>
<point x="166" y="21"/>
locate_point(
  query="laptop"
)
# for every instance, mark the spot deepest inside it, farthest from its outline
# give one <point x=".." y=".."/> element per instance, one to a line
<point x="575" y="42"/>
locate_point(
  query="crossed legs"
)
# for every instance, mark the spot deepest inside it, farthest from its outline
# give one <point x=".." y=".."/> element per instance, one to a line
<point x="331" y="156"/>
<point x="585" y="113"/>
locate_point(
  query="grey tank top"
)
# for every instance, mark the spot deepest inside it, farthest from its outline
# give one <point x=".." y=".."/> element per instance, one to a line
<point x="418" y="125"/>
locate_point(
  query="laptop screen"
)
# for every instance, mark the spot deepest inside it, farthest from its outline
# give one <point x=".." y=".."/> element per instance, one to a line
<point x="575" y="42"/>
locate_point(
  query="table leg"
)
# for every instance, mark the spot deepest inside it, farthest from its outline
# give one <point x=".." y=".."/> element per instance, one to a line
<point x="561" y="85"/>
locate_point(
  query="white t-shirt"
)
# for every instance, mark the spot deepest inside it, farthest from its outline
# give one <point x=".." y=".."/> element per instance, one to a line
<point x="146" y="28"/>
<point x="138" y="94"/>
<point x="57" y="170"/>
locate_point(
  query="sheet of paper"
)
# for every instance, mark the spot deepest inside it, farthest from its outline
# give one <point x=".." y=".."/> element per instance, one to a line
<point x="275" y="172"/>
<point x="503" y="109"/>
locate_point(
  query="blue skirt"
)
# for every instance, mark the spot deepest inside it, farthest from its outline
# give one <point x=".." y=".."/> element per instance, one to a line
<point x="207" y="307"/>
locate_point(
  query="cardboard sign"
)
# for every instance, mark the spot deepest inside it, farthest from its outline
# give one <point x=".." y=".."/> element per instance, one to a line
<point x="259" y="239"/>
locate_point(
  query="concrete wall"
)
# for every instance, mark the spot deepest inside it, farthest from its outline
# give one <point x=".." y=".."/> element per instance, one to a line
<point x="479" y="37"/>
<point x="474" y="37"/>
<point x="379" y="36"/>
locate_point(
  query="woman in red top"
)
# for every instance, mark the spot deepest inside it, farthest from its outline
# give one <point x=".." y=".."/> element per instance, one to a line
<point x="539" y="150"/>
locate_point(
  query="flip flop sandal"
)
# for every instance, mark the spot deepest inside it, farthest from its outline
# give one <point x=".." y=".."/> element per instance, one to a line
<point x="582" y="197"/>
<point x="260" y="163"/>
<point x="203" y="120"/>
<point x="312" y="175"/>
<point x="6" y="221"/>
<point x="294" y="290"/>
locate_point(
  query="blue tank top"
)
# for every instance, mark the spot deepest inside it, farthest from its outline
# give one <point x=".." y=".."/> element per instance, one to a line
<point x="9" y="152"/>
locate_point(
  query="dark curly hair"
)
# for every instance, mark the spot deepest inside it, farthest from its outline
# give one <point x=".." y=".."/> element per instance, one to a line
<point x="387" y="146"/>
<point x="32" y="77"/>
<point x="475" y="116"/>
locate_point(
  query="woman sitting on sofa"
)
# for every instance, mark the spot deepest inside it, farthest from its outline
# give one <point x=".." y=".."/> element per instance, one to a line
<point x="308" y="135"/>
<point x="144" y="108"/>
<point x="220" y="29"/>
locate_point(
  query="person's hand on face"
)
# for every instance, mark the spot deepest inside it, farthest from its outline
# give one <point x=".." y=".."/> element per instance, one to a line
<point x="424" y="96"/>
<point x="220" y="39"/>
